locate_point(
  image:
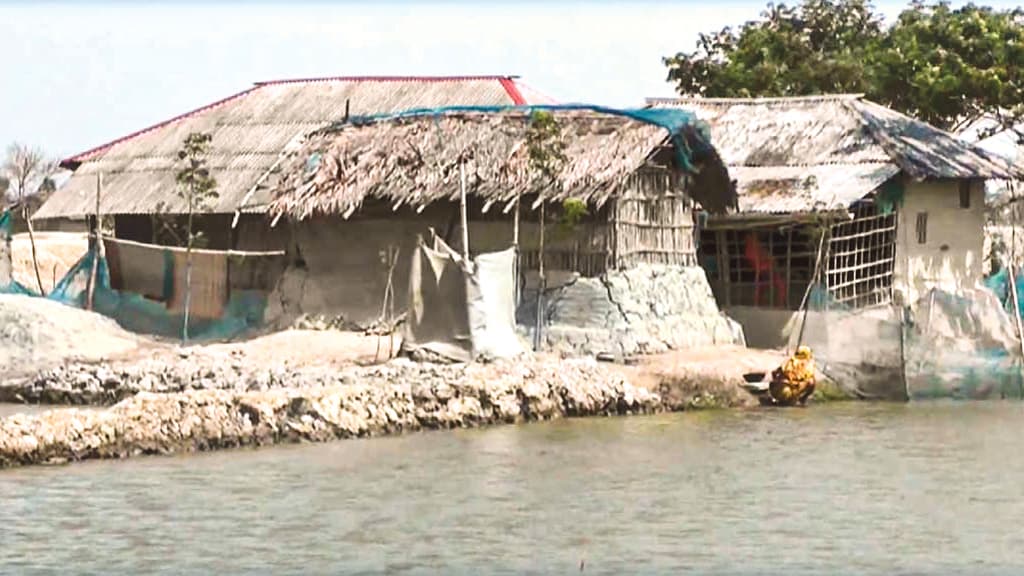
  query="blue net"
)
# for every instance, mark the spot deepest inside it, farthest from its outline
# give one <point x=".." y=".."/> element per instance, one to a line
<point x="9" y="285"/>
<point x="999" y="283"/>
<point x="821" y="299"/>
<point x="243" y="311"/>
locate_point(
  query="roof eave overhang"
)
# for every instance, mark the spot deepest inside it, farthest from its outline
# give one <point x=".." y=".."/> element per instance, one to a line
<point x="770" y="219"/>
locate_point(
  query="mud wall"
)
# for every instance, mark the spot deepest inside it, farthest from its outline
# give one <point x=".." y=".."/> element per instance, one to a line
<point x="643" y="310"/>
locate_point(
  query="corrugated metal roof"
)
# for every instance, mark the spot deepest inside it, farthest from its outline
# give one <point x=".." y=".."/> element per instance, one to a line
<point x="843" y="140"/>
<point x="250" y="131"/>
<point x="786" y="189"/>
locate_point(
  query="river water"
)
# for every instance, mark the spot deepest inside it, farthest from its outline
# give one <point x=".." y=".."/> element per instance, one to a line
<point x="923" y="488"/>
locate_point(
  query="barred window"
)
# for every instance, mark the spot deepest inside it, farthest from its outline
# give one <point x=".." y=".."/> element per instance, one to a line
<point x="965" y="194"/>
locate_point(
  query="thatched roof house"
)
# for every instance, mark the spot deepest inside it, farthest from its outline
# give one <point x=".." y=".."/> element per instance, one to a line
<point x="819" y="153"/>
<point x="414" y="160"/>
<point x="358" y="196"/>
<point x="895" y="205"/>
<point x="250" y="130"/>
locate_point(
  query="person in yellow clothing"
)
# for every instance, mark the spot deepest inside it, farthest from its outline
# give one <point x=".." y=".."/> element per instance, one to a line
<point x="793" y="383"/>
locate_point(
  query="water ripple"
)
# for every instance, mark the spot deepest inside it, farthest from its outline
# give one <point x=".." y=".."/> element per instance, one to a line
<point x="868" y="489"/>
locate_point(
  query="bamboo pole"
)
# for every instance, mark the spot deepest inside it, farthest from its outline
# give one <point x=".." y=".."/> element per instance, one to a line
<point x="789" y="267"/>
<point x="97" y="239"/>
<point x="541" y="286"/>
<point x="515" y="247"/>
<point x="188" y="269"/>
<point x="1013" y="272"/>
<point x="810" y="285"/>
<point x="462" y="209"/>
<point x="515" y="225"/>
<point x="903" y="307"/>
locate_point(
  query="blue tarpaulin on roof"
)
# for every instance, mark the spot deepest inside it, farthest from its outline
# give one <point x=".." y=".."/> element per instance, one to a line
<point x="673" y="120"/>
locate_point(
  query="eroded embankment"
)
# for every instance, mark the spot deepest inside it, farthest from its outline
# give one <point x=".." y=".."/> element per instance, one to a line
<point x="193" y="402"/>
<point x="388" y="399"/>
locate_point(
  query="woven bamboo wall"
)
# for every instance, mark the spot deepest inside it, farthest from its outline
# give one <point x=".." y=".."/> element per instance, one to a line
<point x="653" y="224"/>
<point x="584" y="249"/>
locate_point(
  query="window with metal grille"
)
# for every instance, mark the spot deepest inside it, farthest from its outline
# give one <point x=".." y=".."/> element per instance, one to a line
<point x="965" y="194"/>
<point x="922" y="227"/>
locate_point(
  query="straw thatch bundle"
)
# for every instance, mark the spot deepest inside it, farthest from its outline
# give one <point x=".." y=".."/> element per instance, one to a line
<point x="414" y="160"/>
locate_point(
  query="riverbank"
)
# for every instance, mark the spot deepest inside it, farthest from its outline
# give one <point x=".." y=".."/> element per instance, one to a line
<point x="399" y="397"/>
<point x="166" y="406"/>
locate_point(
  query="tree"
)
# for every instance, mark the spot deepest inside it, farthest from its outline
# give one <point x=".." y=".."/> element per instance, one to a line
<point x="198" y="189"/>
<point x="28" y="174"/>
<point x="945" y="66"/>
<point x="545" y="149"/>
<point x="951" y="67"/>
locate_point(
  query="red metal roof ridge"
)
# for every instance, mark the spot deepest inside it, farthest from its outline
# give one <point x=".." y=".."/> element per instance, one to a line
<point x="462" y="78"/>
<point x="84" y="155"/>
<point x="513" y="91"/>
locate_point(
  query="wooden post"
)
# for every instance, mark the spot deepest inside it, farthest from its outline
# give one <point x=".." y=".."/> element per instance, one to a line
<point x="462" y="208"/>
<point x="723" y="254"/>
<point x="541" y="286"/>
<point x="188" y="270"/>
<point x="771" y="275"/>
<point x="98" y="240"/>
<point x="1013" y="271"/>
<point x="810" y="285"/>
<point x="515" y="247"/>
<point x="515" y="225"/>
<point x="789" y="268"/>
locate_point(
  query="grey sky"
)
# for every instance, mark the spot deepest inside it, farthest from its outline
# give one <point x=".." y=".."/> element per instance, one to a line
<point x="77" y="74"/>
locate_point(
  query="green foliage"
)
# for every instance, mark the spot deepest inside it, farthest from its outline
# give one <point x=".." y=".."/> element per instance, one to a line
<point x="942" y="65"/>
<point x="195" y="184"/>
<point x="946" y="66"/>
<point x="199" y="189"/>
<point x="545" y="147"/>
<point x="573" y="211"/>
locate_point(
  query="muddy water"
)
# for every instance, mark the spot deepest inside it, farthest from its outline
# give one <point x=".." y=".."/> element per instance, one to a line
<point x="926" y="488"/>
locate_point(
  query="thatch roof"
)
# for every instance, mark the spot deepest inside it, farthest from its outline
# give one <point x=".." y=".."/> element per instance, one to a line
<point x="825" y="152"/>
<point x="250" y="130"/>
<point x="414" y="160"/>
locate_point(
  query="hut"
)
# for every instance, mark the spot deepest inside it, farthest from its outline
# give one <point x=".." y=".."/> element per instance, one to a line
<point x="250" y="130"/>
<point x="613" y="225"/>
<point x="841" y="202"/>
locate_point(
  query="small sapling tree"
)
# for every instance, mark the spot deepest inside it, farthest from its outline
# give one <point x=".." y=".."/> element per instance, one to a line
<point x="199" y="190"/>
